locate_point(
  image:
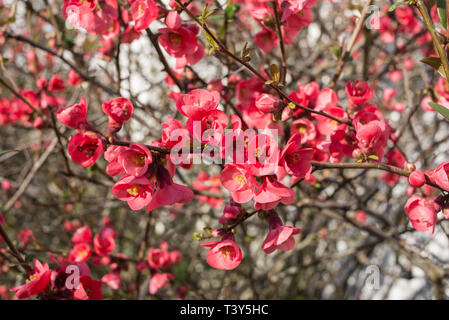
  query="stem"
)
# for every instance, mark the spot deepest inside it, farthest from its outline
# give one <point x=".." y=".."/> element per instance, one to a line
<point x="281" y="42"/>
<point x="436" y="41"/>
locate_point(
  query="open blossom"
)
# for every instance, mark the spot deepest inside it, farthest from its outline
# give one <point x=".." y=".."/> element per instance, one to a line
<point x="144" y="12"/>
<point x="279" y="236"/>
<point x="422" y="213"/>
<point x="239" y="181"/>
<point x="104" y="246"/>
<point x="271" y="193"/>
<point x="157" y="258"/>
<point x="168" y="192"/>
<point x="56" y="83"/>
<point x="82" y="234"/>
<point x="358" y="93"/>
<point x="197" y="103"/>
<point x="80" y="252"/>
<point x="179" y="40"/>
<point x="372" y="137"/>
<point x="295" y="159"/>
<point x="135" y="160"/>
<point x="224" y="254"/>
<point x="37" y="282"/>
<point x="138" y="192"/>
<point x="84" y="149"/>
<point x="88" y="289"/>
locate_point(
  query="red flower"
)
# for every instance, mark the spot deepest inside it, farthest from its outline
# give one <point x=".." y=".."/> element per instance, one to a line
<point x="441" y="175"/>
<point x="159" y="280"/>
<point x="135" y="160"/>
<point x="84" y="149"/>
<point x="157" y="258"/>
<point x="295" y="159"/>
<point x="119" y="111"/>
<point x="417" y="178"/>
<point x="224" y="254"/>
<point x="56" y="83"/>
<point x="88" y="289"/>
<point x="74" y="116"/>
<point x="422" y="213"/>
<point x="280" y="236"/>
<point x="104" y="246"/>
<point x="81" y="252"/>
<point x="144" y="12"/>
<point x="138" y="192"/>
<point x="81" y="235"/>
<point x="37" y="282"/>
<point x="358" y="93"/>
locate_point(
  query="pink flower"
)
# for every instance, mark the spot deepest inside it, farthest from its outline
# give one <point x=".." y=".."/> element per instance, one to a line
<point x="373" y="137"/>
<point x="279" y="236"/>
<point x="296" y="160"/>
<point x="74" y="116"/>
<point x="168" y="192"/>
<point x="37" y="282"/>
<point x="224" y="254"/>
<point x="119" y="111"/>
<point x="144" y="12"/>
<point x="82" y="234"/>
<point x="81" y="252"/>
<point x="84" y="149"/>
<point x="74" y="78"/>
<point x="268" y="103"/>
<point x="422" y="213"/>
<point x="266" y="40"/>
<point x="159" y="280"/>
<point x="111" y="155"/>
<point x="441" y="175"/>
<point x="417" y="178"/>
<point x="104" y="246"/>
<point x="157" y="258"/>
<point x="358" y="93"/>
<point x="135" y="160"/>
<point x="271" y="193"/>
<point x="197" y="103"/>
<point x="138" y="192"/>
<point x="239" y="181"/>
<point x="113" y="280"/>
<point x="56" y="83"/>
<point x="88" y="289"/>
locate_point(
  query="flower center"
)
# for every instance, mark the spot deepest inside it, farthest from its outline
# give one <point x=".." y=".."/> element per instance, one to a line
<point x="134" y="190"/>
<point x="139" y="160"/>
<point x="240" y="180"/>
<point x="175" y="39"/>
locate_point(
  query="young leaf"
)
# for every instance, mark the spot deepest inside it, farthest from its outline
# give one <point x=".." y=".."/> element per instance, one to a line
<point x="395" y="5"/>
<point x="440" y="109"/>
<point x="442" y="15"/>
<point x="435" y="62"/>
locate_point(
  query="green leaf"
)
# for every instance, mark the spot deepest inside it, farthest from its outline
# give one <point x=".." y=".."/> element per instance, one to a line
<point x="6" y="151"/>
<point x="397" y="4"/>
<point x="435" y="62"/>
<point x="440" y="109"/>
<point x="373" y="156"/>
<point x="231" y="10"/>
<point x="337" y="51"/>
<point x="211" y="40"/>
<point x="442" y="15"/>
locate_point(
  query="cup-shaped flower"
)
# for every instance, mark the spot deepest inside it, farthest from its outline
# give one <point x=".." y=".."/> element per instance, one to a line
<point x="37" y="282"/>
<point x="138" y="192"/>
<point x="135" y="160"/>
<point x="224" y="254"/>
<point x="85" y="148"/>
